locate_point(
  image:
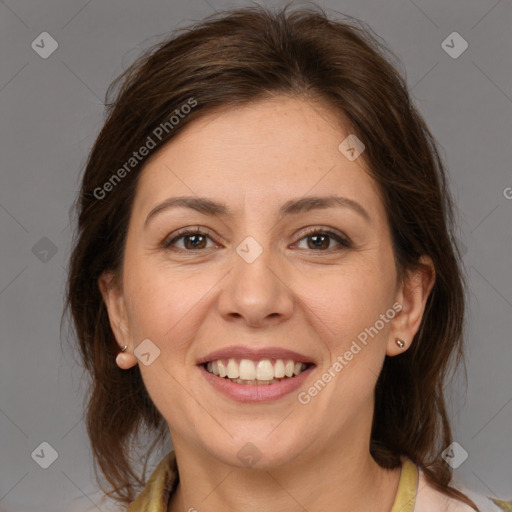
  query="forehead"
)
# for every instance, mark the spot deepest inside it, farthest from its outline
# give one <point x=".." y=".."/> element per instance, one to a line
<point x="265" y="152"/>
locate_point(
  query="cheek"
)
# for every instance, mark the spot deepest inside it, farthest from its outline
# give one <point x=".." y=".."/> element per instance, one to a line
<point x="357" y="336"/>
<point x="349" y="300"/>
<point x="161" y="302"/>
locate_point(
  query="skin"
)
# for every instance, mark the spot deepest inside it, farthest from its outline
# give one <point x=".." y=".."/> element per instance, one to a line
<point x="294" y="296"/>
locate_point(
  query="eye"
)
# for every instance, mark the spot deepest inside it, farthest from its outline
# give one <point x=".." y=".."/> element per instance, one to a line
<point x="192" y="239"/>
<point x="320" y="240"/>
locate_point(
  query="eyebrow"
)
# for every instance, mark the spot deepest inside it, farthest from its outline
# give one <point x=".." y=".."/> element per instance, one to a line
<point x="214" y="208"/>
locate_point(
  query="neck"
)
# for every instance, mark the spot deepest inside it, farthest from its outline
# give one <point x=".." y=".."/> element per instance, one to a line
<point x="338" y="478"/>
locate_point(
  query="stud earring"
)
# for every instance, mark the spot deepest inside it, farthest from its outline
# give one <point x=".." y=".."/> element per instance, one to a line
<point x="400" y="343"/>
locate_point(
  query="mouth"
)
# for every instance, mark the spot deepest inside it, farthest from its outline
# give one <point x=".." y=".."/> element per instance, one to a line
<point x="249" y="375"/>
<point x="258" y="372"/>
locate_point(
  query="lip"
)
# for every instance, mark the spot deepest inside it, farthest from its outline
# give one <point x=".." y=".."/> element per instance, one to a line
<point x="255" y="393"/>
<point x="241" y="352"/>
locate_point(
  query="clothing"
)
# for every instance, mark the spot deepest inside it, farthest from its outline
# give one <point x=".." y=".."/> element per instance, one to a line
<point x="414" y="494"/>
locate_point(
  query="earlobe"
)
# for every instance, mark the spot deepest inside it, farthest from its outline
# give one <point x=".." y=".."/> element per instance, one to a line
<point x="125" y="360"/>
<point x="413" y="296"/>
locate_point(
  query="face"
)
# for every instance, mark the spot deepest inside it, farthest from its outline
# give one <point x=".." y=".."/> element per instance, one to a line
<point x="267" y="276"/>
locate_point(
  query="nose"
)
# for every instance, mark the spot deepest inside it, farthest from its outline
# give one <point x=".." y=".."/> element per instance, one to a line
<point x="257" y="294"/>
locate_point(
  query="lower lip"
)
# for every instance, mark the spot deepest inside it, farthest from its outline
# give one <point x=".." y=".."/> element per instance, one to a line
<point x="254" y="392"/>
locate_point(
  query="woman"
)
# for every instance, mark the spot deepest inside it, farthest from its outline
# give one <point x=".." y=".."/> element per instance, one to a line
<point x="265" y="239"/>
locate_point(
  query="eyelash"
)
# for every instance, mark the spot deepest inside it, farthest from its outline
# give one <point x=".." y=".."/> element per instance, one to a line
<point x="343" y="241"/>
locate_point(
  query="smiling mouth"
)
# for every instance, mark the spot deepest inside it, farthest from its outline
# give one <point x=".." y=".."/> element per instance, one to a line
<point x="259" y="372"/>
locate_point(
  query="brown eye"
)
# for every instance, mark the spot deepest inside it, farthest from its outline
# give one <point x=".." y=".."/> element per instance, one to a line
<point x="192" y="240"/>
<point x="319" y="240"/>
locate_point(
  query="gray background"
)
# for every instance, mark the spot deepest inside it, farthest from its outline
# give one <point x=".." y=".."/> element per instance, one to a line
<point x="51" y="111"/>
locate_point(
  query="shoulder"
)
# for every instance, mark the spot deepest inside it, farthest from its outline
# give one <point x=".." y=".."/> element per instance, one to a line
<point x="429" y="499"/>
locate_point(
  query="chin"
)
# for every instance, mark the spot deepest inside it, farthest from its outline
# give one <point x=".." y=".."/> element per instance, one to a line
<point x="258" y="450"/>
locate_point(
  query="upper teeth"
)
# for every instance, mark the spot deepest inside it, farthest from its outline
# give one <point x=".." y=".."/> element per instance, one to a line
<point x="247" y="369"/>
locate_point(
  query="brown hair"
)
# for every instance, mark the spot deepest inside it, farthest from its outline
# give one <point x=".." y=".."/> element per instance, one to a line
<point x="234" y="58"/>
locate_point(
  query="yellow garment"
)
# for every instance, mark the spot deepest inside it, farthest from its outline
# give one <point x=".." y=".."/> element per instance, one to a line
<point x="407" y="488"/>
<point x="159" y="488"/>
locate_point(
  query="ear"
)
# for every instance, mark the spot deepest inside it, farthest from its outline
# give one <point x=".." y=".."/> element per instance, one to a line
<point x="113" y="297"/>
<point x="412" y="295"/>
